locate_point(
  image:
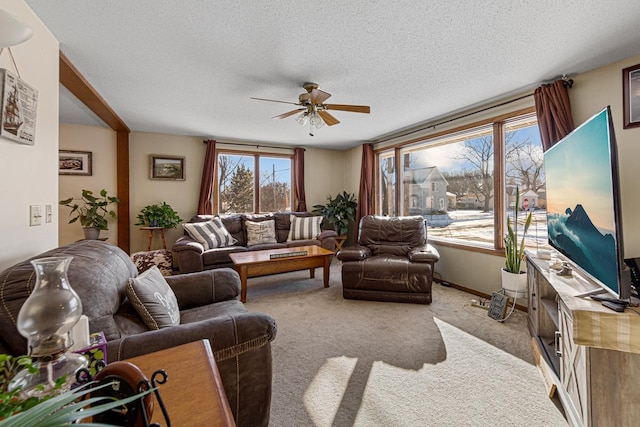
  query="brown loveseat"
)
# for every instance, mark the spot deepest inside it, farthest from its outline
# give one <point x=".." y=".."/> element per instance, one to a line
<point x="392" y="261"/>
<point x="191" y="255"/>
<point x="209" y="309"/>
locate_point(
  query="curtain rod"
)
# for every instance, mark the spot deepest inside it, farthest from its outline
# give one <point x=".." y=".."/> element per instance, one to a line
<point x="566" y="81"/>
<point x="252" y="145"/>
<point x="433" y="126"/>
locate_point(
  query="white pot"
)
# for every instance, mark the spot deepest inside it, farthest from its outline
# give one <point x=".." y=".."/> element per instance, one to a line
<point x="91" y="233"/>
<point x="514" y="285"/>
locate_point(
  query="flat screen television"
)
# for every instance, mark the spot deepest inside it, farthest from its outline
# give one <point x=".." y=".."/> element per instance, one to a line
<point x="583" y="202"/>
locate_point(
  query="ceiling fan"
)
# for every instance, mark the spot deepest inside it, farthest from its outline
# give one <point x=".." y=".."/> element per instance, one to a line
<point x="314" y="110"/>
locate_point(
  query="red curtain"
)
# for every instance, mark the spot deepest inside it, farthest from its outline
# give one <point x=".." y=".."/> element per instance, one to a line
<point x="206" y="186"/>
<point x="365" y="196"/>
<point x="553" y="109"/>
<point x="298" y="176"/>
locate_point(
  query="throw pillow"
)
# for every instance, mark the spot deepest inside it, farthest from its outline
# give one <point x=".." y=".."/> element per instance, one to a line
<point x="304" y="228"/>
<point x="153" y="299"/>
<point x="261" y="232"/>
<point x="211" y="234"/>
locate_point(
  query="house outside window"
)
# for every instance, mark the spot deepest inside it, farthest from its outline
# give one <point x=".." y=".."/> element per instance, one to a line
<point x="253" y="183"/>
<point x="459" y="171"/>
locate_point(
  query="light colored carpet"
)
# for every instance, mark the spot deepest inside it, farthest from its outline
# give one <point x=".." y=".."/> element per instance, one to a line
<point x="340" y="362"/>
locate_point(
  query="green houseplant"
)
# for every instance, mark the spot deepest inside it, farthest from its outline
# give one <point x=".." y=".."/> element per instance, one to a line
<point x="91" y="211"/>
<point x="339" y="211"/>
<point x="514" y="279"/>
<point x="158" y="216"/>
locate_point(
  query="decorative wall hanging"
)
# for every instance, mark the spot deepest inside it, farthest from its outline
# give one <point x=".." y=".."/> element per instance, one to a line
<point x="19" y="102"/>
<point x="166" y="167"/>
<point x="75" y="162"/>
<point x="631" y="96"/>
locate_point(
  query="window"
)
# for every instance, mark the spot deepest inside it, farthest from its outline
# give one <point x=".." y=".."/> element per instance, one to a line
<point x="458" y="175"/>
<point x="253" y="183"/>
<point x="387" y="184"/>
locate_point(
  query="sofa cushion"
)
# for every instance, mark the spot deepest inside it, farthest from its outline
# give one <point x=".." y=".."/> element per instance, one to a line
<point x="304" y="228"/>
<point x="153" y="299"/>
<point x="261" y="232"/>
<point x="212" y="234"/>
<point x="220" y="255"/>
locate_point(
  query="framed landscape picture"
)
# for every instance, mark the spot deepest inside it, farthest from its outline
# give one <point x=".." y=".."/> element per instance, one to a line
<point x="74" y="163"/>
<point x="166" y="167"/>
<point x="631" y="96"/>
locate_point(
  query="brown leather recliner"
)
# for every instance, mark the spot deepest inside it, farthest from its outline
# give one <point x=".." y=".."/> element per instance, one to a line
<point x="391" y="262"/>
<point x="209" y="309"/>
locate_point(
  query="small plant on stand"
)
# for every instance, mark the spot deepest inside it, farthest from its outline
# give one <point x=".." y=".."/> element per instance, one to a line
<point x="158" y="216"/>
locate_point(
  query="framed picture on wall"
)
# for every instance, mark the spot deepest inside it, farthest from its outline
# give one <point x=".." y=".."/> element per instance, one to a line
<point x="166" y="167"/>
<point x="75" y="163"/>
<point x="631" y="96"/>
<point x="18" y="108"/>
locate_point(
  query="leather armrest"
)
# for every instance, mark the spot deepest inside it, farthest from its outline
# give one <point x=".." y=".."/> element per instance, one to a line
<point x="186" y="243"/>
<point x="426" y="253"/>
<point x="325" y="234"/>
<point x="230" y="336"/>
<point x="205" y="287"/>
<point x="354" y="253"/>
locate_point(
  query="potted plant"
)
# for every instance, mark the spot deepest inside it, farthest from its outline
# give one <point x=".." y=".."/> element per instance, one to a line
<point x="158" y="216"/>
<point x="91" y="211"/>
<point x="59" y="407"/>
<point x="514" y="280"/>
<point x="339" y="211"/>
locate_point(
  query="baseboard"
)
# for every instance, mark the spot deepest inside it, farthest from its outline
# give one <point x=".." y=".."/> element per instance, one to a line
<point x="474" y="292"/>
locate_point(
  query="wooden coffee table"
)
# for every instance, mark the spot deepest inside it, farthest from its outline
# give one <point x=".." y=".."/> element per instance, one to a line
<point x="259" y="263"/>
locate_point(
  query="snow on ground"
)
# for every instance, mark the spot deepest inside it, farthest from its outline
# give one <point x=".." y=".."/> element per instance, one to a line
<point x="477" y="226"/>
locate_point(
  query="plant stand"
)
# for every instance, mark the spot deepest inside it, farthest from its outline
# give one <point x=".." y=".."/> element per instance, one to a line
<point x="151" y="230"/>
<point x="340" y="241"/>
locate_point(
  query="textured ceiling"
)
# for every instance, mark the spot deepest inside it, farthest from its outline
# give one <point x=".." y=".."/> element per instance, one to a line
<point x="190" y="67"/>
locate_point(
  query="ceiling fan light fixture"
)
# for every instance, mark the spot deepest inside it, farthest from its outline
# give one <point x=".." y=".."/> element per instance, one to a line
<point x="302" y="118"/>
<point x="316" y="120"/>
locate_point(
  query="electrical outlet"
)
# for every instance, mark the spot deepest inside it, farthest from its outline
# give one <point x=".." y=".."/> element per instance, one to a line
<point x="35" y="215"/>
<point x="47" y="213"/>
<point x="480" y="304"/>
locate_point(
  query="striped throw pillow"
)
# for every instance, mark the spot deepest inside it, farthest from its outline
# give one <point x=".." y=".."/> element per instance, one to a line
<point x="211" y="234"/>
<point x="304" y="228"/>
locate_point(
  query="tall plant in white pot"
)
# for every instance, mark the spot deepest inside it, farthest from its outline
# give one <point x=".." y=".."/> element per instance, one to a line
<point x="514" y="280"/>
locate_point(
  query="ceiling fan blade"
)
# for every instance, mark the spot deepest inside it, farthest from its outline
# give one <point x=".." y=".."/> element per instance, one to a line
<point x="274" y="100"/>
<point x="319" y="96"/>
<point x="290" y="113"/>
<point x="328" y="118"/>
<point x="353" y="108"/>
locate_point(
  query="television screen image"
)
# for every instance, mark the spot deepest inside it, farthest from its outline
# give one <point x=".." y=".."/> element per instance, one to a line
<point x="583" y="207"/>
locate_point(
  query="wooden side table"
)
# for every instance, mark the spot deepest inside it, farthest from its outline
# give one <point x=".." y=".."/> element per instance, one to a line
<point x="340" y="241"/>
<point x="151" y="230"/>
<point x="193" y="393"/>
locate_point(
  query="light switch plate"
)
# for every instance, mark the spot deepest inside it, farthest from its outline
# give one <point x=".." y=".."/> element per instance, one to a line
<point x="35" y="215"/>
<point x="47" y="213"/>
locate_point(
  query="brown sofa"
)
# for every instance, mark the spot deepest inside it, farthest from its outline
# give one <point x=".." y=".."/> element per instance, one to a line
<point x="391" y="262"/>
<point x="191" y="255"/>
<point x="209" y="309"/>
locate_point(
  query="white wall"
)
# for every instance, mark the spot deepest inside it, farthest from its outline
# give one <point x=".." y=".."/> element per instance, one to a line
<point x="101" y="142"/>
<point x="592" y="91"/>
<point x="181" y="195"/>
<point x="29" y="174"/>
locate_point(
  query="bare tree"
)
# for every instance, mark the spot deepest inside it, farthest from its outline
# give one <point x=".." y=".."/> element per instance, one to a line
<point x="525" y="163"/>
<point x="479" y="153"/>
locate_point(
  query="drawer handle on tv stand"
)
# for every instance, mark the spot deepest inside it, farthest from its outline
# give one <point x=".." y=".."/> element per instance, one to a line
<point x="556" y="343"/>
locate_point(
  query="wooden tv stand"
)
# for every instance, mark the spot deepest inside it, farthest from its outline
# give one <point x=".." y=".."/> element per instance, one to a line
<point x="594" y="351"/>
